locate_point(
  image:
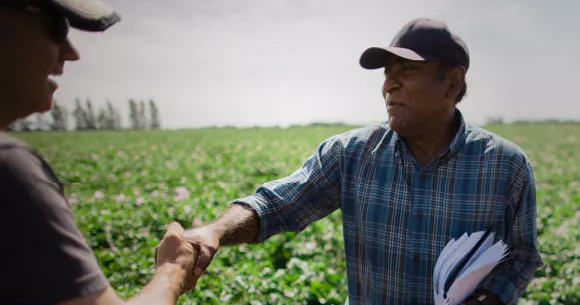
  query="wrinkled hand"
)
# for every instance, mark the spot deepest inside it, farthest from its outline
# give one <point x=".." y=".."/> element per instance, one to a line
<point x="471" y="302"/>
<point x="174" y="249"/>
<point x="207" y="242"/>
<point x="482" y="298"/>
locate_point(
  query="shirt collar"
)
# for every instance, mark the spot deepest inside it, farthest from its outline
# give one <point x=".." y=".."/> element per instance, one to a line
<point x="457" y="142"/>
<point x="460" y="136"/>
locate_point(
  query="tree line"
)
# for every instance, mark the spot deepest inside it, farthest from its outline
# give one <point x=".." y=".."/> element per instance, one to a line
<point x="501" y="121"/>
<point x="85" y="116"/>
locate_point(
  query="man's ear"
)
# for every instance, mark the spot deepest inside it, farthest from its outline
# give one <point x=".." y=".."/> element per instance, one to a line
<point x="456" y="79"/>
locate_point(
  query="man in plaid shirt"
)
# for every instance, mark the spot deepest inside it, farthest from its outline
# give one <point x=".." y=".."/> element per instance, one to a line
<point x="406" y="187"/>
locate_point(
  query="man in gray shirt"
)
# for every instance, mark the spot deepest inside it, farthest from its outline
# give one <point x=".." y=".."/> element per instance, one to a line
<point x="44" y="258"/>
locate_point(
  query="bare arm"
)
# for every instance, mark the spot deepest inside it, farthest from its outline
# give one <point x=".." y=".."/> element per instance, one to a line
<point x="175" y="259"/>
<point x="163" y="290"/>
<point x="237" y="225"/>
<point x="288" y="204"/>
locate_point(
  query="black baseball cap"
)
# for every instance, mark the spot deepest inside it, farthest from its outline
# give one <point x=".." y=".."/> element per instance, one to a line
<point x="86" y="15"/>
<point x="421" y="39"/>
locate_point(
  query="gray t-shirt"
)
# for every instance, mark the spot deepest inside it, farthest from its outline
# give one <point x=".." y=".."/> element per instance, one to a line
<point x="44" y="258"/>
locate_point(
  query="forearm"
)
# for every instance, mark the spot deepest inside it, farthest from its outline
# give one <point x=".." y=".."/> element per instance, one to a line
<point x="288" y="204"/>
<point x="510" y="279"/>
<point x="164" y="288"/>
<point x="237" y="225"/>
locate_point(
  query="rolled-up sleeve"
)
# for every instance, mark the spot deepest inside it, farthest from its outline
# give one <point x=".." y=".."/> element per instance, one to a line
<point x="309" y="194"/>
<point x="510" y="279"/>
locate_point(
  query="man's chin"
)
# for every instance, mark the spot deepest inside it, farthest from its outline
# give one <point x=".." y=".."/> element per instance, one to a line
<point x="398" y="126"/>
<point x="395" y="124"/>
<point x="45" y="104"/>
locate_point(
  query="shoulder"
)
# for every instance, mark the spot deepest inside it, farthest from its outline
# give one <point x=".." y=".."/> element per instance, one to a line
<point x="8" y="143"/>
<point x="16" y="156"/>
<point x="34" y="202"/>
<point x="494" y="147"/>
<point x="493" y="143"/>
<point x="22" y="165"/>
<point x="364" y="138"/>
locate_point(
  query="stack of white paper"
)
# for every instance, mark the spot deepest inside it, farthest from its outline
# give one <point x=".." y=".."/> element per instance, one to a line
<point x="463" y="264"/>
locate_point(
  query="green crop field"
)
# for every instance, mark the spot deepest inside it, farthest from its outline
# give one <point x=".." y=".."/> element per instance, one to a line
<point x="130" y="185"/>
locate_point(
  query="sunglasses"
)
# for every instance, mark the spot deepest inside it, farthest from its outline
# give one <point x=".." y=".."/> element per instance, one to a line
<point x="57" y="24"/>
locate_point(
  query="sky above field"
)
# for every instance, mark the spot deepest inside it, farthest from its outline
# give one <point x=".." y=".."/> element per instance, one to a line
<point x="281" y="62"/>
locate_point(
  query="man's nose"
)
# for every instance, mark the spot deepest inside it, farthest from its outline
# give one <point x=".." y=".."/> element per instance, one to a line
<point x="68" y="52"/>
<point x="390" y="85"/>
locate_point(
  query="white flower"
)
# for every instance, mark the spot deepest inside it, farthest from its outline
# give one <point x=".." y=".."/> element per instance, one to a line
<point x="99" y="195"/>
<point x="181" y="193"/>
<point x="73" y="199"/>
<point x="187" y="209"/>
<point x="120" y="198"/>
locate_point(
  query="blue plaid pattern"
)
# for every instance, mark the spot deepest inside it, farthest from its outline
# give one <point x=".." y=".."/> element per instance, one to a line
<point x="398" y="216"/>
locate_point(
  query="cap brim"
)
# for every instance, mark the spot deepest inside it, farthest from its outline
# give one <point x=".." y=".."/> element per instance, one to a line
<point x="374" y="58"/>
<point x="87" y="15"/>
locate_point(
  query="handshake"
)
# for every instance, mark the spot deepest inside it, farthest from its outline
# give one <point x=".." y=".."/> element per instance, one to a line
<point x="182" y="256"/>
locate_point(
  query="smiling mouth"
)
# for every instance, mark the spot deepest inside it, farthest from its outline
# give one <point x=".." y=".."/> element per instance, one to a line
<point x="52" y="80"/>
<point x="394" y="108"/>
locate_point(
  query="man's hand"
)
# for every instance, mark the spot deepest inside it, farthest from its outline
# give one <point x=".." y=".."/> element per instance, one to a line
<point x="483" y="298"/>
<point x="207" y="241"/>
<point x="173" y="249"/>
<point x="238" y="224"/>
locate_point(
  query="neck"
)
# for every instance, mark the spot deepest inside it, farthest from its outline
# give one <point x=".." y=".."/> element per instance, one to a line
<point x="8" y="115"/>
<point x="5" y="119"/>
<point x="435" y="139"/>
<point x="4" y="122"/>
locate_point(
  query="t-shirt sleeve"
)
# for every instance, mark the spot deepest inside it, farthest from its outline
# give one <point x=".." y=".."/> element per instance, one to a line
<point x="44" y="256"/>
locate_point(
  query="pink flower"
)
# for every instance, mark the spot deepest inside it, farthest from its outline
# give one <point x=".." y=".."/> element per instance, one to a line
<point x="73" y="199"/>
<point x="140" y="201"/>
<point x="181" y="193"/>
<point x="120" y="198"/>
<point x="197" y="223"/>
<point x="310" y="245"/>
<point x="99" y="195"/>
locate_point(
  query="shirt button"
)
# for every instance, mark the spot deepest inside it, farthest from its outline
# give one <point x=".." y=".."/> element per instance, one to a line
<point x="419" y="215"/>
<point x="423" y="177"/>
<point x="416" y="257"/>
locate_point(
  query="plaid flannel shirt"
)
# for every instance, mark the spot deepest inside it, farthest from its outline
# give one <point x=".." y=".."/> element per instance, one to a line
<point x="398" y="216"/>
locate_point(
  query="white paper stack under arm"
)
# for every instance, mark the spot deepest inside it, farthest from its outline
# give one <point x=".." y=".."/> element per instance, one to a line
<point x="478" y="266"/>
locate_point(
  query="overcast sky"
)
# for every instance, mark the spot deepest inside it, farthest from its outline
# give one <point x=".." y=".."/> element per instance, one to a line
<point x="279" y="62"/>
